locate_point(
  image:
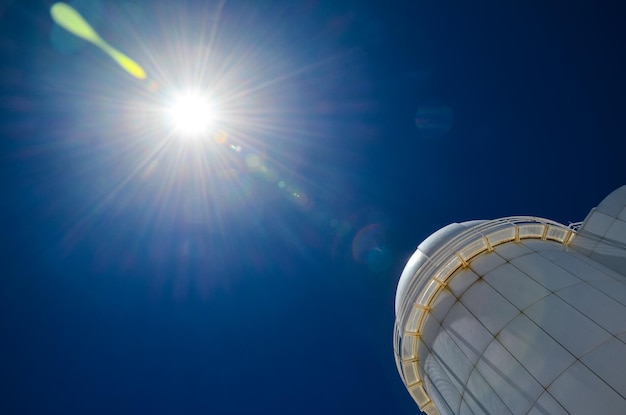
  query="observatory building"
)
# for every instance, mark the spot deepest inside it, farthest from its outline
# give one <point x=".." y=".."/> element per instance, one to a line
<point x="519" y="315"/>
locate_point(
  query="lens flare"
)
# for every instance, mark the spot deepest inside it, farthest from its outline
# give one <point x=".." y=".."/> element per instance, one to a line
<point x="71" y="20"/>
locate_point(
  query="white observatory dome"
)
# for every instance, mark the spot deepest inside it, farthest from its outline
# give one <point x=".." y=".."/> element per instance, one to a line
<point x="519" y="315"/>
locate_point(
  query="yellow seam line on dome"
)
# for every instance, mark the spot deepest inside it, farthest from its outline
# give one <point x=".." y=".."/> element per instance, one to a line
<point x="441" y="283"/>
<point x="462" y="260"/>
<point x="568" y="238"/>
<point x="489" y="247"/>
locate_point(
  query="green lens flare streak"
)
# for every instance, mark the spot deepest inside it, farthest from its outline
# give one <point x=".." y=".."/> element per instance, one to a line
<point x="69" y="19"/>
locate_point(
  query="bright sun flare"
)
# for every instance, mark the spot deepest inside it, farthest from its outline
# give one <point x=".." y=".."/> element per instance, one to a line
<point x="192" y="114"/>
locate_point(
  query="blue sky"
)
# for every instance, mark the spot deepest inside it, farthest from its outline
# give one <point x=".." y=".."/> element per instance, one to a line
<point x="255" y="272"/>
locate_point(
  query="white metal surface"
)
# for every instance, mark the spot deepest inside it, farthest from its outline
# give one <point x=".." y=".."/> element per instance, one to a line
<point x="602" y="236"/>
<point x="505" y="317"/>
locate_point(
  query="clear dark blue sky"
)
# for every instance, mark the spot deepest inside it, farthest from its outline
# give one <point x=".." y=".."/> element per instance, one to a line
<point x="141" y="274"/>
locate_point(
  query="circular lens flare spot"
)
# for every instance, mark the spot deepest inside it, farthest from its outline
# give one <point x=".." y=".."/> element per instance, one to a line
<point x="192" y="114"/>
<point x="220" y="137"/>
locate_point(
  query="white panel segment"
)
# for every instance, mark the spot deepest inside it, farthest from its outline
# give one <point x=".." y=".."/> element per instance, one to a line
<point x="515" y="386"/>
<point x="584" y="242"/>
<point x="461" y="281"/>
<point x="622" y="215"/>
<point x="596" y="305"/>
<point x="603" y="235"/>
<point x="543" y="357"/>
<point x="581" y="392"/>
<point x="598" y="223"/>
<point x="614" y="203"/>
<point x="566" y="325"/>
<point x="578" y="265"/>
<point x="451" y="358"/>
<point x="604" y="270"/>
<point x="612" y="288"/>
<point x="442" y="304"/>
<point x="484" y="263"/>
<point x="511" y="250"/>
<point x="550" y="275"/>
<point x="422" y="350"/>
<point x="610" y="250"/>
<point x="539" y="245"/>
<point x="547" y="405"/>
<point x="481" y="398"/>
<point x="465" y="409"/>
<point x="608" y="361"/>
<point x="617" y="231"/>
<point x="440" y="381"/>
<point x="430" y="330"/>
<point x="489" y="307"/>
<point x="516" y="286"/>
<point x="436" y="397"/>
<point x="471" y="336"/>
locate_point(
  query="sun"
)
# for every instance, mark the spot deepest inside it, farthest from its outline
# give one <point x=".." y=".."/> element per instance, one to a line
<point x="192" y="115"/>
